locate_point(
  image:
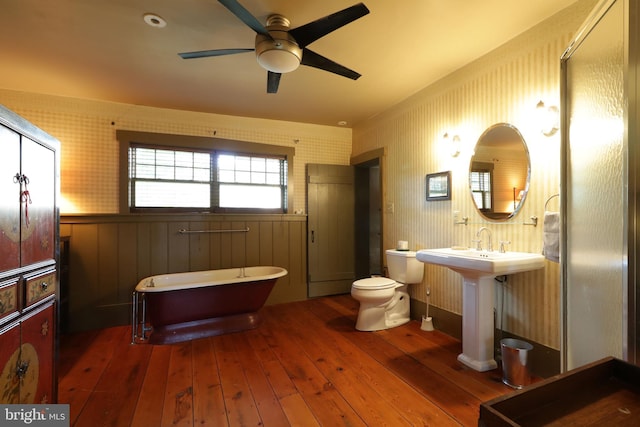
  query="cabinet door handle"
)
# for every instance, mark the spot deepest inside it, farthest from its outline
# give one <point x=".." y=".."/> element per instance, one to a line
<point x="21" y="369"/>
<point x="19" y="178"/>
<point x="313" y="236"/>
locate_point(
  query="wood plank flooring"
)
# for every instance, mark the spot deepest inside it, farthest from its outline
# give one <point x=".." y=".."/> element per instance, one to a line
<point x="305" y="365"/>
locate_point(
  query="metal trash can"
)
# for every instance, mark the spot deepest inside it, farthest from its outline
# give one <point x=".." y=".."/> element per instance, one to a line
<point x="515" y="371"/>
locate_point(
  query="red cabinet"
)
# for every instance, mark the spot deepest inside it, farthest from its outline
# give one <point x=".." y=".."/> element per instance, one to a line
<point x="29" y="241"/>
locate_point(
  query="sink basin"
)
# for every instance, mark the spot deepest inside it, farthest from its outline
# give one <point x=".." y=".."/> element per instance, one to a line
<point x="480" y="262"/>
<point x="478" y="269"/>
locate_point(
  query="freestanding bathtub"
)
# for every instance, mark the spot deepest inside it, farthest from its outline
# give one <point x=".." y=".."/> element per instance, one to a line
<point x="184" y="306"/>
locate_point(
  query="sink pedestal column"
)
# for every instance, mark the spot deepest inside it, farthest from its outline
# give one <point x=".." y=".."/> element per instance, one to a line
<point x="478" y="270"/>
<point x="477" y="321"/>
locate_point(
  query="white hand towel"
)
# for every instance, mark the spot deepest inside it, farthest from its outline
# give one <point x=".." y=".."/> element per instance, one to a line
<point x="551" y="236"/>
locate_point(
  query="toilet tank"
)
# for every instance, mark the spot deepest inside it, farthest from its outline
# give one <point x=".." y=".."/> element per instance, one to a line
<point x="404" y="267"/>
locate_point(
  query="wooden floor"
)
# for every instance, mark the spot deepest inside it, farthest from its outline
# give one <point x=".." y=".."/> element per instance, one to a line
<point x="305" y="365"/>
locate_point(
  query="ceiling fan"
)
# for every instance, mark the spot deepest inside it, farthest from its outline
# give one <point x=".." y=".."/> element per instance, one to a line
<point x="280" y="49"/>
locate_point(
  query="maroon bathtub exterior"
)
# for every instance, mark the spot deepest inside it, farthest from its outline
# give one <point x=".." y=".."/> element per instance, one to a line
<point x="193" y="313"/>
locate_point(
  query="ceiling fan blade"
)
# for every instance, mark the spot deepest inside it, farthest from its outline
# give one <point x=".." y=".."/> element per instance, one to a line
<point x="245" y="16"/>
<point x="214" y="52"/>
<point x="312" y="59"/>
<point x="273" y="81"/>
<point x="312" y="31"/>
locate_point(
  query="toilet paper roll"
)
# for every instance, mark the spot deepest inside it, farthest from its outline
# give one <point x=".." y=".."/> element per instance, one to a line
<point x="403" y="245"/>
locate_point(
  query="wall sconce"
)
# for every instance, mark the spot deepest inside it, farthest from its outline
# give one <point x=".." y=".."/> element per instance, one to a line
<point x="517" y="197"/>
<point x="451" y="144"/>
<point x="549" y="118"/>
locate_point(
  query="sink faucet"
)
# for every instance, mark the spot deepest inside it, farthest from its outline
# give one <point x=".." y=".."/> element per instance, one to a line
<point x="490" y="244"/>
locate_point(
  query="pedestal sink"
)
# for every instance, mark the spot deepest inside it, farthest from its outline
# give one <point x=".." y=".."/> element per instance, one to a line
<point x="478" y="270"/>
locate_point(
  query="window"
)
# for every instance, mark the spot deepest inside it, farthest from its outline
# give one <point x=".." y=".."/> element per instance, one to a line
<point x="169" y="178"/>
<point x="481" y="189"/>
<point x="247" y="181"/>
<point x="165" y="178"/>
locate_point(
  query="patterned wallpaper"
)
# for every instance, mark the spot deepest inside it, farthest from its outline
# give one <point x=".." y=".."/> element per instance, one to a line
<point x="87" y="133"/>
<point x="503" y="86"/>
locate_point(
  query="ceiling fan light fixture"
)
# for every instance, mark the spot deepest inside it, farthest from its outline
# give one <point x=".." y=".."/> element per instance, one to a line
<point x="278" y="61"/>
<point x="278" y="55"/>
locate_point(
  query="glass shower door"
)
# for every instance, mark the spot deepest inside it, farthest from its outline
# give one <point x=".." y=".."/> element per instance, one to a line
<point x="595" y="191"/>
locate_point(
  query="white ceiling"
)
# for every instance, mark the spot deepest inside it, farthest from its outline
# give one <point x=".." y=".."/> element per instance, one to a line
<point x="102" y="49"/>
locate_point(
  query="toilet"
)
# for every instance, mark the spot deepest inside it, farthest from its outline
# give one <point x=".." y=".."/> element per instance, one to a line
<point x="385" y="302"/>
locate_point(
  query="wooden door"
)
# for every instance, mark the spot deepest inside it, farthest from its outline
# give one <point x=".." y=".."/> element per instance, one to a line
<point x="9" y="199"/>
<point x="331" y="216"/>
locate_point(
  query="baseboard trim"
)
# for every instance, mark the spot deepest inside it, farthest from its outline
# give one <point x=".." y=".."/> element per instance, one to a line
<point x="543" y="361"/>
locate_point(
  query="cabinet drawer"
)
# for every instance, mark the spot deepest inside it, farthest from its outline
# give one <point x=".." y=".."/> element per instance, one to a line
<point x="8" y="298"/>
<point x="40" y="286"/>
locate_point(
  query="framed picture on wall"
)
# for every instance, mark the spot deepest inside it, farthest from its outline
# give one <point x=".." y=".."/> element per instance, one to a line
<point x="439" y="186"/>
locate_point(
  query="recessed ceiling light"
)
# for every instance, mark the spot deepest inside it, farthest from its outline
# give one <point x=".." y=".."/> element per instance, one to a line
<point x="154" y="20"/>
<point x="342" y="123"/>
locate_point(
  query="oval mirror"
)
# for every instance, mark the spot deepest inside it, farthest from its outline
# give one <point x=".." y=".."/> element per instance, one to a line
<point x="499" y="172"/>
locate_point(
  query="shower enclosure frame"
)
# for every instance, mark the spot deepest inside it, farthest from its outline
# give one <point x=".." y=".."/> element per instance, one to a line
<point x="581" y="333"/>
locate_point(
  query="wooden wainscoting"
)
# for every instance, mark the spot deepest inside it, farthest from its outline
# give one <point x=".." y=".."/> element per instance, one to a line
<point x="109" y="254"/>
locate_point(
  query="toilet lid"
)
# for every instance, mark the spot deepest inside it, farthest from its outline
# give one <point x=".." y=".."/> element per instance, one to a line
<point x="374" y="283"/>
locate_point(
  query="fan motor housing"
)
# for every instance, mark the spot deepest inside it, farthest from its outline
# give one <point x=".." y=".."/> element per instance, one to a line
<point x="280" y="53"/>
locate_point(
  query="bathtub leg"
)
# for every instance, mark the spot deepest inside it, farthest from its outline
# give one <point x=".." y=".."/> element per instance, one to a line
<point x="138" y="324"/>
<point x="143" y="321"/>
<point x="134" y="317"/>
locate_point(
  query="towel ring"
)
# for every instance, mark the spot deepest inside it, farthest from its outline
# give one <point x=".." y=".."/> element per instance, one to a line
<point x="549" y="199"/>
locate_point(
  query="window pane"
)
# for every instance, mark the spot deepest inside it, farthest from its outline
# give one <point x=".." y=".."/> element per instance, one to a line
<point x="248" y="196"/>
<point x="145" y="171"/>
<point x="164" y="172"/>
<point x="226" y="161"/>
<point x="258" y="164"/>
<point x="201" y="160"/>
<point x="273" y="165"/>
<point x="226" y="176"/>
<point x="145" y="155"/>
<point x="243" y="176"/>
<point x="164" y="157"/>
<point x="184" y="174"/>
<point x="184" y="159"/>
<point x="258" y="178"/>
<point x="273" y="179"/>
<point x="243" y="163"/>
<point x="201" y="175"/>
<point x="171" y="194"/>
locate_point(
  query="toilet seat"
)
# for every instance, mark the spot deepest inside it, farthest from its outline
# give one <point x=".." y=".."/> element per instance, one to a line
<point x="374" y="283"/>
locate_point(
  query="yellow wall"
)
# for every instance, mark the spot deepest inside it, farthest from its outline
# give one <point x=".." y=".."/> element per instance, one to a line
<point x="502" y="86"/>
<point x="87" y="133"/>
